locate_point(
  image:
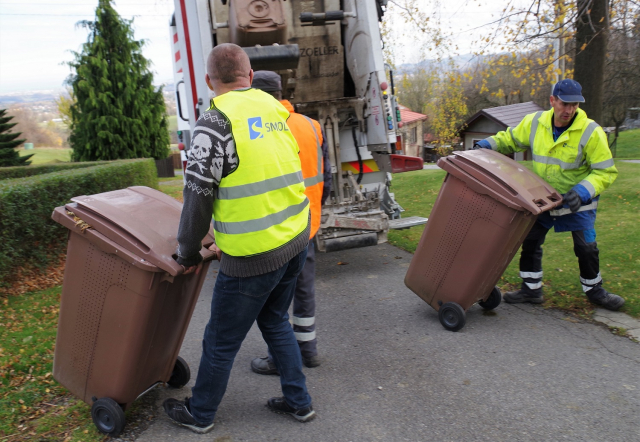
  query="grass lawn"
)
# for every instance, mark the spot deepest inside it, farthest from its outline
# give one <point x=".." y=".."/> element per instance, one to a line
<point x="33" y="406"/>
<point x="172" y="186"/>
<point x="616" y="226"/>
<point x="44" y="155"/>
<point x="628" y="145"/>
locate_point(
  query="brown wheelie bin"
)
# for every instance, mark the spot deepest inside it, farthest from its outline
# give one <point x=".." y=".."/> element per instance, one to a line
<point x="485" y="208"/>
<point x="125" y="305"/>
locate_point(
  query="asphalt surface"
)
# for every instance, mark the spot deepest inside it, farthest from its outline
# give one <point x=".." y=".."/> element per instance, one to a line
<point x="391" y="372"/>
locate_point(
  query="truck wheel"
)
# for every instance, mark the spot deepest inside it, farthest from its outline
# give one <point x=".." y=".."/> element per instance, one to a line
<point x="181" y="374"/>
<point x="452" y="316"/>
<point x="494" y="300"/>
<point x="108" y="416"/>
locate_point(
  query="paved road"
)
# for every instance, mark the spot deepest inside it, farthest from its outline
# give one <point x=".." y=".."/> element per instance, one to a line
<point x="392" y="373"/>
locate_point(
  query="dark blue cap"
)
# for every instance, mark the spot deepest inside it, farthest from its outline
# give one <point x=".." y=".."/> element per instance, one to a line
<point x="568" y="91"/>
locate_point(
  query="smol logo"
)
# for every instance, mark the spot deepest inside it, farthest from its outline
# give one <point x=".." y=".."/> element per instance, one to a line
<point x="255" y="128"/>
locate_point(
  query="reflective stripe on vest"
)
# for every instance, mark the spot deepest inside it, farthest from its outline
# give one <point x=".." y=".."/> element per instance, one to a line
<point x="261" y="205"/>
<point x="565" y="211"/>
<point x="534" y="129"/>
<point x="584" y="139"/>
<point x="319" y="178"/>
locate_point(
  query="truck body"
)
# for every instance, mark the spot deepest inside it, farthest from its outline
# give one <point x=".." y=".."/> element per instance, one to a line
<point x="329" y="56"/>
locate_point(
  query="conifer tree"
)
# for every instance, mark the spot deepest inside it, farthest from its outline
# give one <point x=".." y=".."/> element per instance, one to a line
<point x="118" y="113"/>
<point x="8" y="154"/>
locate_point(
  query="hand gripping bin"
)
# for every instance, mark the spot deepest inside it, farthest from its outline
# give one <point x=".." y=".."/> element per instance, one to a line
<point x="125" y="305"/>
<point x="485" y="208"/>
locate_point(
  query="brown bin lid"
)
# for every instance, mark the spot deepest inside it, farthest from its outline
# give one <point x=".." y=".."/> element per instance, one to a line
<point x="494" y="174"/>
<point x="139" y="219"/>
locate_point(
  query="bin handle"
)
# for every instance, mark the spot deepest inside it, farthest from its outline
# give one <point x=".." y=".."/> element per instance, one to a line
<point x="177" y="269"/>
<point x="108" y="246"/>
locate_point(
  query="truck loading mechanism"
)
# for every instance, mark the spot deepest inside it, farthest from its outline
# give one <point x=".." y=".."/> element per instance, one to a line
<point x="329" y="55"/>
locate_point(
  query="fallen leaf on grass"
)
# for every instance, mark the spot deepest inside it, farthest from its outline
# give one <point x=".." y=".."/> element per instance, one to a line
<point x="30" y="278"/>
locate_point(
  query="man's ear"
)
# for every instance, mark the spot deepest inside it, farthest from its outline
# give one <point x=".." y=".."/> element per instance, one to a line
<point x="208" y="80"/>
<point x="250" y="76"/>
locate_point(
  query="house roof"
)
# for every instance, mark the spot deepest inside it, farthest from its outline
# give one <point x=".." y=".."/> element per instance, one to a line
<point x="508" y="116"/>
<point x="408" y="116"/>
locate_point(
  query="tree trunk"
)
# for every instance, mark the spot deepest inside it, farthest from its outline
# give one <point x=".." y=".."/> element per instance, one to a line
<point x="592" y="28"/>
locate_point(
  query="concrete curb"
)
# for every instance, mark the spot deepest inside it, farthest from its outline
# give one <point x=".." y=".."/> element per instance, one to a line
<point x="619" y="320"/>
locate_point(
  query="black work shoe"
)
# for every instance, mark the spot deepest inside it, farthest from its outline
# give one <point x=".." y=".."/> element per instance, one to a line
<point x="279" y="405"/>
<point x="264" y="366"/>
<point x="312" y="361"/>
<point x="179" y="413"/>
<point x="519" y="296"/>
<point x="601" y="297"/>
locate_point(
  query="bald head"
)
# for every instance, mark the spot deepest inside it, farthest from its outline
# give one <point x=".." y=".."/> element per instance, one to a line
<point x="228" y="63"/>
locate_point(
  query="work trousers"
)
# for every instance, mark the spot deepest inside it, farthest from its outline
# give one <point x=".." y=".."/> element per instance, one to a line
<point x="531" y="259"/>
<point x="304" y="306"/>
<point x="236" y="304"/>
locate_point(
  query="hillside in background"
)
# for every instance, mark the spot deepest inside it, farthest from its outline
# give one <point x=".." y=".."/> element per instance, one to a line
<point x="36" y="113"/>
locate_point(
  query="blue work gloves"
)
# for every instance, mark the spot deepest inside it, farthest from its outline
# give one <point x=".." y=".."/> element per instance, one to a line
<point x="482" y="144"/>
<point x="576" y="197"/>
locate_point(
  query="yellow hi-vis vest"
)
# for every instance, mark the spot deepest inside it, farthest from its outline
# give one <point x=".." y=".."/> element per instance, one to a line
<point x="261" y="205"/>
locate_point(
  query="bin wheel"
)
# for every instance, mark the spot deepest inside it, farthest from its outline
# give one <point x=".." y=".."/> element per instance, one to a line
<point x="452" y="316"/>
<point x="180" y="375"/>
<point x="494" y="300"/>
<point x="108" y="416"/>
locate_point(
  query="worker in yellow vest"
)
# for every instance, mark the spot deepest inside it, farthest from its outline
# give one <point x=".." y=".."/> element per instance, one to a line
<point x="244" y="172"/>
<point x="317" y="180"/>
<point x="571" y="153"/>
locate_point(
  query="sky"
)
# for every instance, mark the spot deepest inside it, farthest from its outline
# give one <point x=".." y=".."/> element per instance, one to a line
<point x="36" y="36"/>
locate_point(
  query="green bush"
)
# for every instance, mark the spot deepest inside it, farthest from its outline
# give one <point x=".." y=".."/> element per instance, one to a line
<point x="27" y="171"/>
<point x="27" y="232"/>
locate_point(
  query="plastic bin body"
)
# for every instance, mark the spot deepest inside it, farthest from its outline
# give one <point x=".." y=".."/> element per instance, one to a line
<point x="125" y="306"/>
<point x="485" y="208"/>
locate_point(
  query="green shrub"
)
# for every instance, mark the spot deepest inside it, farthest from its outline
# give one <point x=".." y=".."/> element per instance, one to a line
<point x="27" y="232"/>
<point x="27" y="171"/>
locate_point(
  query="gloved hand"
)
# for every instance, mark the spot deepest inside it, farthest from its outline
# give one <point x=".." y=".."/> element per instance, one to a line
<point x="572" y="199"/>
<point x="482" y="144"/>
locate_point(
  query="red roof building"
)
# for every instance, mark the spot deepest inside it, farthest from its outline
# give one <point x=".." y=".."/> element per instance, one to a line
<point x="410" y="134"/>
<point x="490" y="121"/>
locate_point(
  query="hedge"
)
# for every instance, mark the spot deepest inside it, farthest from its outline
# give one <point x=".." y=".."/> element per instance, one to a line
<point x="27" y="171"/>
<point x="27" y="232"/>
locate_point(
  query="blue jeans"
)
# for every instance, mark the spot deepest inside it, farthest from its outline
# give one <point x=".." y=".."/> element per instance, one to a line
<point x="236" y="304"/>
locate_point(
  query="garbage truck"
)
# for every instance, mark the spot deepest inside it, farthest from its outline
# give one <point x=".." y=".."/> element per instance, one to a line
<point x="329" y="56"/>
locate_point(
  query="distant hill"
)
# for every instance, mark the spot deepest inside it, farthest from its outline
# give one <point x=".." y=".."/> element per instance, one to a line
<point x="24" y="97"/>
<point x="29" y="96"/>
<point x="461" y="61"/>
